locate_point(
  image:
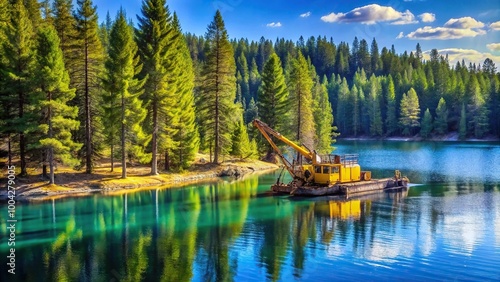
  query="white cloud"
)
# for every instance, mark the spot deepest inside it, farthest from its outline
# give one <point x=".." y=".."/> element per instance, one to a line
<point x="305" y="15"/>
<point x="464" y="23"/>
<point x="400" y="35"/>
<point x="452" y="29"/>
<point x="427" y="17"/>
<point x="495" y="25"/>
<point x="427" y="33"/>
<point x="493" y="46"/>
<point x="273" y="24"/>
<point x="468" y="55"/>
<point x="371" y="14"/>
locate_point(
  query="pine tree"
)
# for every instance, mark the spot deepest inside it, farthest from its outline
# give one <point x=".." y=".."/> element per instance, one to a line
<point x="272" y="97"/>
<point x="462" y="128"/>
<point x="426" y="128"/>
<point x="410" y="112"/>
<point x="216" y="100"/>
<point x="376" y="124"/>
<point x="59" y="118"/>
<point x="356" y="117"/>
<point x="241" y="145"/>
<point x="186" y="133"/>
<point x="477" y="109"/>
<point x="391" y="121"/>
<point x="300" y="87"/>
<point x="343" y="108"/>
<point x="33" y="13"/>
<point x="65" y="25"/>
<point x="86" y="77"/>
<point x="441" y="121"/>
<point x="156" y="43"/>
<point x="122" y="67"/>
<point x="323" y="118"/>
<point x="17" y="78"/>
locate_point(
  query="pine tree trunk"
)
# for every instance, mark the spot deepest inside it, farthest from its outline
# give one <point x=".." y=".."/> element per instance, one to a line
<point x="124" y="160"/>
<point x="154" y="145"/>
<point x="22" y="141"/>
<point x="51" y="150"/>
<point x="88" y="137"/>
<point x="45" y="155"/>
<point x="217" y="136"/>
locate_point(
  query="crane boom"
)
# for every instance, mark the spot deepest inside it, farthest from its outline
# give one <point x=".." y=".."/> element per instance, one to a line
<point x="264" y="129"/>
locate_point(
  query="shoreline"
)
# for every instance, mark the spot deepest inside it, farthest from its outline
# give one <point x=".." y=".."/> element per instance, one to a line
<point x="75" y="184"/>
<point x="452" y="137"/>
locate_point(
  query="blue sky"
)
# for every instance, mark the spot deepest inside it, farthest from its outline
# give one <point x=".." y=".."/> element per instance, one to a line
<point x="463" y="29"/>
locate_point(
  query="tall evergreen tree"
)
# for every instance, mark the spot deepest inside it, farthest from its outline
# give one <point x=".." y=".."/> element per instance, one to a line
<point x="272" y="98"/>
<point x="323" y="118"/>
<point x="426" y="128"/>
<point x="462" y="128"/>
<point x="391" y="122"/>
<point x="17" y="77"/>
<point x="477" y="109"/>
<point x="122" y="68"/>
<point x="376" y="125"/>
<point x="242" y="147"/>
<point x="87" y="68"/>
<point x="156" y="40"/>
<point x="410" y="111"/>
<point x="300" y="87"/>
<point x="58" y="118"/>
<point x="65" y="25"/>
<point x="343" y="108"/>
<point x="216" y="100"/>
<point x="441" y="121"/>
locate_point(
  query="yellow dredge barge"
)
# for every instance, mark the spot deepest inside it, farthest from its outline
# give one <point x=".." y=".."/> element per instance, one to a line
<point x="326" y="174"/>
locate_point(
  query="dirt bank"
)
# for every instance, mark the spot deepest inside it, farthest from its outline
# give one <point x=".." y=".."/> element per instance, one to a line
<point x="74" y="183"/>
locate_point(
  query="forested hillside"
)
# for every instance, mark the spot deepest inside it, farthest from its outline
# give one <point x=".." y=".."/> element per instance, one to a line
<point x="75" y="89"/>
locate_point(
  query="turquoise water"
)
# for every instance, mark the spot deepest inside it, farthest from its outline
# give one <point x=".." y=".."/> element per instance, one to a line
<point x="445" y="227"/>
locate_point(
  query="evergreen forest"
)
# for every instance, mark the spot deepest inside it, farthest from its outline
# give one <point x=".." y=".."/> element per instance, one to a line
<point x="75" y="89"/>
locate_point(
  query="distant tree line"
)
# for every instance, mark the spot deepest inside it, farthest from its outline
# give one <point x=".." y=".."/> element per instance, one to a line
<point x="73" y="90"/>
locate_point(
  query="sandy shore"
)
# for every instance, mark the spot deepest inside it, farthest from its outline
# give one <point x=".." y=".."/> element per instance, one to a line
<point x="71" y="183"/>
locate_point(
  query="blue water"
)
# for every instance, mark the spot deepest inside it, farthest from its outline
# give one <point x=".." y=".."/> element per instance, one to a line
<point x="445" y="227"/>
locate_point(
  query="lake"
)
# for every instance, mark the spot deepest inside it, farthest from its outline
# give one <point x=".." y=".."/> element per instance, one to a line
<point x="445" y="227"/>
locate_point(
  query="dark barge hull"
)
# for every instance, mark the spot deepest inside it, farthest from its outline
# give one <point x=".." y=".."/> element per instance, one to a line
<point x="346" y="189"/>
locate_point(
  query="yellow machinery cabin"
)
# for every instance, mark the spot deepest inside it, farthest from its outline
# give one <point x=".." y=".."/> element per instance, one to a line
<point x="334" y="169"/>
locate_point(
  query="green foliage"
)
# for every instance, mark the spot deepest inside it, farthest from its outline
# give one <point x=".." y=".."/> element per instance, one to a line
<point x="58" y="120"/>
<point x="272" y="98"/>
<point x="122" y="68"/>
<point x="410" y="112"/>
<point x="300" y="86"/>
<point x="426" y="128"/>
<point x="441" y="121"/>
<point x="85" y="62"/>
<point x="186" y="132"/>
<point x="216" y="101"/>
<point x="391" y="122"/>
<point x="323" y="118"/>
<point x="17" y="68"/>
<point x="462" y="129"/>
<point x="374" y="107"/>
<point x="157" y="46"/>
<point x="242" y="147"/>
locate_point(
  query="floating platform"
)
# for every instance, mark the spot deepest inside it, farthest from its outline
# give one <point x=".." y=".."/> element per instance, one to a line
<point x="347" y="189"/>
